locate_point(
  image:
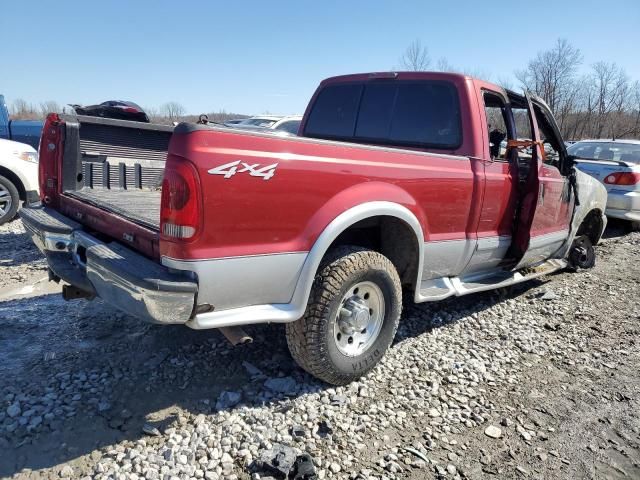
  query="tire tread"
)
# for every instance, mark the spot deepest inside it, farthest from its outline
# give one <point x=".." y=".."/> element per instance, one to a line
<point x="305" y="337"/>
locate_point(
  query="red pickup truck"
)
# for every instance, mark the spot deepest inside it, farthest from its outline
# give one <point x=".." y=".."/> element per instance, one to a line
<point x="423" y="185"/>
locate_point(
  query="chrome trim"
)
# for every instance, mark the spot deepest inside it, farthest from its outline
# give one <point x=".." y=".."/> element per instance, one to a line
<point x="165" y="307"/>
<point x="121" y="277"/>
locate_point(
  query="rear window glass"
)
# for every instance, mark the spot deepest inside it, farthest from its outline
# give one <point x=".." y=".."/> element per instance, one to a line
<point x="411" y="113"/>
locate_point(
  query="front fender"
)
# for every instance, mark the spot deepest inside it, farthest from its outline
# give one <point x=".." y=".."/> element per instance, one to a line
<point x="592" y="196"/>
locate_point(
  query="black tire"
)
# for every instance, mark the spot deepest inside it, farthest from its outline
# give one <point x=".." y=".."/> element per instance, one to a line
<point x="13" y="198"/>
<point x="582" y="255"/>
<point x="634" y="226"/>
<point x="311" y="339"/>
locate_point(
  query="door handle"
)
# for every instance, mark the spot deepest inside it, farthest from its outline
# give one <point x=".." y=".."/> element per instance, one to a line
<point x="541" y="194"/>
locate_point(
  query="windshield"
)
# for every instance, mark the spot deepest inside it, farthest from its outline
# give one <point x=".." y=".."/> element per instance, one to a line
<point x="616" y="151"/>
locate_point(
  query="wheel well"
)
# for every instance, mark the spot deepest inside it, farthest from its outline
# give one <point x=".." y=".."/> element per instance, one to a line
<point x="591" y="226"/>
<point x="13" y="178"/>
<point x="391" y="237"/>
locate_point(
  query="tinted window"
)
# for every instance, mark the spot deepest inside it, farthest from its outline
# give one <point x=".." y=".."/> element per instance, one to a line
<point x="334" y="111"/>
<point x="376" y="109"/>
<point x="412" y="113"/>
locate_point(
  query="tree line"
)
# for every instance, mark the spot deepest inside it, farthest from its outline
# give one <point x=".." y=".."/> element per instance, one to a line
<point x="166" y="113"/>
<point x="601" y="102"/>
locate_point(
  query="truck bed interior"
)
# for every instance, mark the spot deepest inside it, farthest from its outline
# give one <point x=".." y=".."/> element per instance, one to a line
<point x="118" y="166"/>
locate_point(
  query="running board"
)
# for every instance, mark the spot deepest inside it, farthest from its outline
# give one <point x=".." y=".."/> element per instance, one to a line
<point x="441" y="288"/>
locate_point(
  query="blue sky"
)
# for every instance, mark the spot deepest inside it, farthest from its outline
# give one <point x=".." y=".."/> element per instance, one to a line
<point x="268" y="56"/>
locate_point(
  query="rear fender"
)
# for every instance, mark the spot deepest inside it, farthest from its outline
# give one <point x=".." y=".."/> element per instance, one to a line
<point x="348" y="208"/>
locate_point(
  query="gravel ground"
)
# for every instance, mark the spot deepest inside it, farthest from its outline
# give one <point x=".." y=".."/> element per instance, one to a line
<point x="538" y="381"/>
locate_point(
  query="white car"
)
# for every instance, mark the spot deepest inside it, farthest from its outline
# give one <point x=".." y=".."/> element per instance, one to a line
<point x="615" y="163"/>
<point x="18" y="177"/>
<point x="289" y="123"/>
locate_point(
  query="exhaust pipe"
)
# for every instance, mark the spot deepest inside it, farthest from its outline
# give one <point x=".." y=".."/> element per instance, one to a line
<point x="236" y="335"/>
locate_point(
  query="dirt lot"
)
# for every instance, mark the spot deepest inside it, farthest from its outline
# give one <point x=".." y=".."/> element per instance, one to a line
<point x="541" y="381"/>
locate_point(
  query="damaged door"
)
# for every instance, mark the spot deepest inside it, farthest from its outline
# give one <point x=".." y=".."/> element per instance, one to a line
<point x="546" y="204"/>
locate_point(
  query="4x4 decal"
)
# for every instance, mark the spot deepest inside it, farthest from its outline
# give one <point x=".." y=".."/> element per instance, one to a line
<point x="255" y="170"/>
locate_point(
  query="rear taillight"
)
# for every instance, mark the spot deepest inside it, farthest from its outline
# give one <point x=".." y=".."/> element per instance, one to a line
<point x="51" y="141"/>
<point x="180" y="213"/>
<point x="622" y="178"/>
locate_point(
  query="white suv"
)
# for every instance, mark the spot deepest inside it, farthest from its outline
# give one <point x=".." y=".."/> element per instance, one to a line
<point x="18" y="177"/>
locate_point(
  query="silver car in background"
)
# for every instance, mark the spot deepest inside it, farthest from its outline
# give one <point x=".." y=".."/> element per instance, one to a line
<point x="289" y="123"/>
<point x="615" y="163"/>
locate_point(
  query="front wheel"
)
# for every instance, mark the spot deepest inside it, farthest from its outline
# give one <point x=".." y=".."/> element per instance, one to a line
<point x="582" y="254"/>
<point x="9" y="200"/>
<point x="351" y="318"/>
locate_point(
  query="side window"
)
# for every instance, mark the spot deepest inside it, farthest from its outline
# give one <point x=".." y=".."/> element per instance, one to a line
<point x="334" y="111"/>
<point x="522" y="123"/>
<point x="496" y="113"/>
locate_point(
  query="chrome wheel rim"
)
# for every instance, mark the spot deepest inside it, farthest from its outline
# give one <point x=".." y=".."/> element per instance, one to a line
<point x="359" y="319"/>
<point x="5" y="201"/>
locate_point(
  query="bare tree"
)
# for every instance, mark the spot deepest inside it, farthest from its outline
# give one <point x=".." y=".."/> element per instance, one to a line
<point x="416" y="57"/>
<point x="49" y="106"/>
<point x="443" y="65"/>
<point x="153" y="113"/>
<point x="23" y="110"/>
<point x="505" y="83"/>
<point x="172" y="110"/>
<point x="608" y="92"/>
<point x="552" y="76"/>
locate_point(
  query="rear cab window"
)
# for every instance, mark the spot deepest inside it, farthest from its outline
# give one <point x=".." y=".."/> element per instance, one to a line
<point x="402" y="113"/>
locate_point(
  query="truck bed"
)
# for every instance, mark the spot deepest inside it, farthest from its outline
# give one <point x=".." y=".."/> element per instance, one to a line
<point x="117" y="166"/>
<point x="140" y="206"/>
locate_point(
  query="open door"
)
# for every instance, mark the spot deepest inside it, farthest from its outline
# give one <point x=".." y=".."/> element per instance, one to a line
<point x="546" y="204"/>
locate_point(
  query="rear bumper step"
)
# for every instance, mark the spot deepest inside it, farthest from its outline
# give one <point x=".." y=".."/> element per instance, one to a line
<point x="118" y="275"/>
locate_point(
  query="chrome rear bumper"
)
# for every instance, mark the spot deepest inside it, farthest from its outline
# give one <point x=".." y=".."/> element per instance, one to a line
<point x="118" y="275"/>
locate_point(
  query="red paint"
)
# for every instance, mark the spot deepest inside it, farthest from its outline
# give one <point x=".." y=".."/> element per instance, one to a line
<point x="315" y="181"/>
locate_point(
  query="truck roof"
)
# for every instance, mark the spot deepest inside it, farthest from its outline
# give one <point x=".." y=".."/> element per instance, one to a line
<point x="395" y="75"/>
<point x="447" y="76"/>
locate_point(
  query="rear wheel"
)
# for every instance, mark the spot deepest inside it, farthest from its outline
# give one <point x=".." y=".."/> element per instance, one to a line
<point x="634" y="226"/>
<point x="582" y="254"/>
<point x="351" y="317"/>
<point x="9" y="200"/>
